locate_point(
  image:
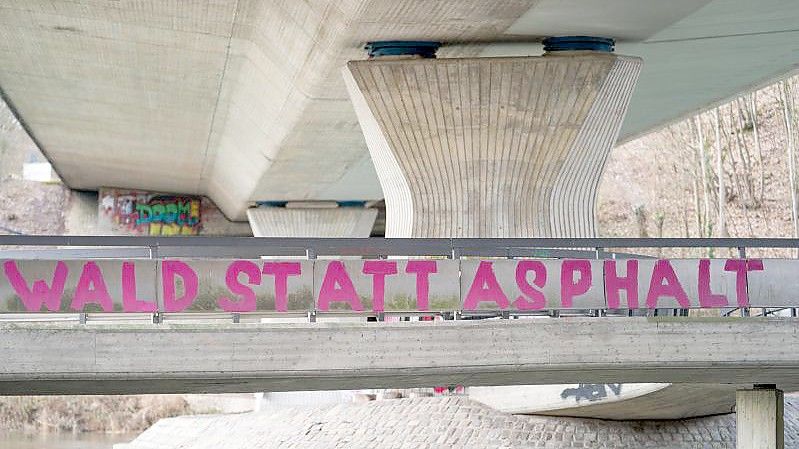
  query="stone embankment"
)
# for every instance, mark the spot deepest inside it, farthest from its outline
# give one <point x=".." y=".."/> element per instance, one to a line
<point x="436" y="423"/>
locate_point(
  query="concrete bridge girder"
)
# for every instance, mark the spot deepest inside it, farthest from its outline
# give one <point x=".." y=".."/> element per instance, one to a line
<point x="82" y="359"/>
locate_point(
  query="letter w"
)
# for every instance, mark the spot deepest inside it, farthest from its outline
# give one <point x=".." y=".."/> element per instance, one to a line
<point x="41" y="292"/>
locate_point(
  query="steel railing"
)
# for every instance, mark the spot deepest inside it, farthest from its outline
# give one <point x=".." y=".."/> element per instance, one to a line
<point x="242" y="247"/>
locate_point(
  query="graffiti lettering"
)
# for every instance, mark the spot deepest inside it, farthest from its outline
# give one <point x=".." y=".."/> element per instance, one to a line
<point x="591" y="392"/>
<point x="150" y="214"/>
<point x="377" y="286"/>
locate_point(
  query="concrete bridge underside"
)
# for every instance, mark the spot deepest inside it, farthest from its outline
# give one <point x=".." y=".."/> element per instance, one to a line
<point x="243" y="100"/>
<point x="41" y="358"/>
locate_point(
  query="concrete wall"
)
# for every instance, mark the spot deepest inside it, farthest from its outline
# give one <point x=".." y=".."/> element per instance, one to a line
<point x="131" y="212"/>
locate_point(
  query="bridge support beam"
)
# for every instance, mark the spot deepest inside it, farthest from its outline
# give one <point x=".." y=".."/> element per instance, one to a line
<point x="65" y="358"/>
<point x="491" y="147"/>
<point x="311" y="219"/>
<point x="759" y="418"/>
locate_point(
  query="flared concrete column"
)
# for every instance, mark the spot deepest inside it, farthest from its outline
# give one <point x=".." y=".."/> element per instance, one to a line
<point x="491" y="147"/>
<point x="494" y="147"/>
<point x="759" y="418"/>
<point x="311" y="220"/>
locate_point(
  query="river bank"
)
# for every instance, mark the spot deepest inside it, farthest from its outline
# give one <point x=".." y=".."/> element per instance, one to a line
<point x="89" y="414"/>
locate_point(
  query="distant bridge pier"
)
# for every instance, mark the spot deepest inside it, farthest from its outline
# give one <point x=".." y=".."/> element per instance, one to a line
<point x="311" y="219"/>
<point x="759" y="418"/>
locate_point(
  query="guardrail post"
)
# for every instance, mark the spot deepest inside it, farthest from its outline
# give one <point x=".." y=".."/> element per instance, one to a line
<point x="310" y="253"/>
<point x="742" y="255"/>
<point x="597" y="255"/>
<point x="82" y="318"/>
<point x="236" y="317"/>
<point x="157" y="318"/>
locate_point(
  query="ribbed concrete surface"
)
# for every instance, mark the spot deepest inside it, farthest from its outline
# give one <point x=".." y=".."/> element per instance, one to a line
<point x="499" y="147"/>
<point x="438" y="423"/>
<point x="573" y="197"/>
<point x="334" y="222"/>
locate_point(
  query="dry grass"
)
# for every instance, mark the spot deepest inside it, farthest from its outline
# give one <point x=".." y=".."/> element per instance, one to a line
<point x="115" y="414"/>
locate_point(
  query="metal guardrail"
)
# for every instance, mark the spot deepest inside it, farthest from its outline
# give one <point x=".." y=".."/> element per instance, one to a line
<point x="242" y="247"/>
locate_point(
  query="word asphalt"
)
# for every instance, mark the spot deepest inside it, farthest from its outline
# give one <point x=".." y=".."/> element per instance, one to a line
<point x="186" y="285"/>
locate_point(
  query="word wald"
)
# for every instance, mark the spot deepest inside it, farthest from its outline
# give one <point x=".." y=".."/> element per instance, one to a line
<point x="385" y="285"/>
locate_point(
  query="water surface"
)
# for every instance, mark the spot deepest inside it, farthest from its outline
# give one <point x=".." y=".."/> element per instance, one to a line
<point x="62" y="440"/>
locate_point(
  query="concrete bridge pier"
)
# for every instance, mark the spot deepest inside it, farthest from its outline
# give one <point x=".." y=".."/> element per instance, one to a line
<point x="311" y="219"/>
<point x="759" y="418"/>
<point x="491" y="147"/>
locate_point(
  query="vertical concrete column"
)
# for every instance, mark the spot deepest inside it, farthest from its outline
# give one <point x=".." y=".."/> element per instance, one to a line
<point x="491" y="147"/>
<point x="759" y="418"/>
<point x="311" y="219"/>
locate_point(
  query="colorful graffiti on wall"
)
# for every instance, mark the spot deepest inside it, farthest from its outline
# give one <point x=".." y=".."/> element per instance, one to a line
<point x="153" y="214"/>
